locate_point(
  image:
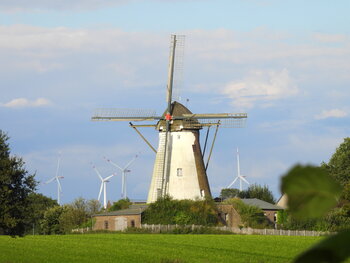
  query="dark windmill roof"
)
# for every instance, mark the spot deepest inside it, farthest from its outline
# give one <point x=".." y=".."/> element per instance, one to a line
<point x="178" y="110"/>
<point x="261" y="204"/>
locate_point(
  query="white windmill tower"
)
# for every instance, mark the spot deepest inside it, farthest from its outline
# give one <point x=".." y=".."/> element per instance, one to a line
<point x="124" y="171"/>
<point x="179" y="169"/>
<point x="103" y="186"/>
<point x="239" y="176"/>
<point x="57" y="179"/>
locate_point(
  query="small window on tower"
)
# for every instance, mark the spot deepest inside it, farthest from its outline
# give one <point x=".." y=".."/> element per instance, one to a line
<point x="178" y="137"/>
<point x="179" y="172"/>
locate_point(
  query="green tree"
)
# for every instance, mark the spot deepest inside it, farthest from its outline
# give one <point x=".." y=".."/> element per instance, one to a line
<point x="339" y="167"/>
<point x="229" y="193"/>
<point x="50" y="224"/>
<point x="37" y="205"/>
<point x="93" y="207"/>
<point x="259" y="192"/>
<point x="120" y="204"/>
<point x="15" y="186"/>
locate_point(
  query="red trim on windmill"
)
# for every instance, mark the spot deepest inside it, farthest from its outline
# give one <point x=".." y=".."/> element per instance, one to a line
<point x="168" y="117"/>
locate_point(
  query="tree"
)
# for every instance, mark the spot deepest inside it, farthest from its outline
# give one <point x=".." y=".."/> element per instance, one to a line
<point x="120" y="204"/>
<point x="93" y="207"/>
<point x="37" y="205"/>
<point x="259" y="192"/>
<point x="51" y="221"/>
<point x="339" y="167"/>
<point x="15" y="186"/>
<point x="229" y="193"/>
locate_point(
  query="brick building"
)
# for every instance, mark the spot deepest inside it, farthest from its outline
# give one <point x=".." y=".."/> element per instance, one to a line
<point x="270" y="210"/>
<point x="121" y="219"/>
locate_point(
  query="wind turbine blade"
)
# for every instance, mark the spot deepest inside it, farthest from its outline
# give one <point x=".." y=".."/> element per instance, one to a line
<point x="109" y="177"/>
<point x="114" y="164"/>
<point x="58" y="164"/>
<point x="49" y="181"/>
<point x="99" y="195"/>
<point x="232" y="182"/>
<point x="97" y="172"/>
<point x="130" y="162"/>
<point x="59" y="184"/>
<point x="244" y="179"/>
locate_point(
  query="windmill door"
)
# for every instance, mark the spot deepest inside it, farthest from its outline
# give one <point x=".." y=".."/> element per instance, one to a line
<point x="121" y="223"/>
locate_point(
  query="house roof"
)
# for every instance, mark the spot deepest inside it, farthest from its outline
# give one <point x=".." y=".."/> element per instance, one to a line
<point x="261" y="204"/>
<point x="129" y="211"/>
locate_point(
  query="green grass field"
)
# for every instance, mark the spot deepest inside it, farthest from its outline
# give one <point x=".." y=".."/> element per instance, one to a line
<point x="152" y="248"/>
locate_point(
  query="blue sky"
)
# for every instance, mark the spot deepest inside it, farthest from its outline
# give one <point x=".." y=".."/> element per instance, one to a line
<point x="285" y="63"/>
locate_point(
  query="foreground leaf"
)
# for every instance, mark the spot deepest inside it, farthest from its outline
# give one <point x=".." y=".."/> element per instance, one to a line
<point x="332" y="249"/>
<point x="311" y="191"/>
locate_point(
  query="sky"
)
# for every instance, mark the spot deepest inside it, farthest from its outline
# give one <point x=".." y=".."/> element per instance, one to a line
<point x="285" y="63"/>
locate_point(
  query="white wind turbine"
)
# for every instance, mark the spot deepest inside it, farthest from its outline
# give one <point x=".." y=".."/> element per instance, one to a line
<point x="57" y="178"/>
<point x="124" y="171"/>
<point x="103" y="187"/>
<point x="239" y="176"/>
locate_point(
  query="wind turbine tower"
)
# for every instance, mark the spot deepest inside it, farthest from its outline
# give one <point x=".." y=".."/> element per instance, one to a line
<point x="239" y="176"/>
<point x="57" y="178"/>
<point x="103" y="186"/>
<point x="124" y="171"/>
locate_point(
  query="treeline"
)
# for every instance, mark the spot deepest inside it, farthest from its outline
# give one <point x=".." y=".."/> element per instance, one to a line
<point x="338" y="218"/>
<point x="24" y="211"/>
<point x="62" y="219"/>
<point x="253" y="191"/>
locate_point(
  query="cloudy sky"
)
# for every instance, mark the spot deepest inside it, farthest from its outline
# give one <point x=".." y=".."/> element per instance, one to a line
<point x="285" y="63"/>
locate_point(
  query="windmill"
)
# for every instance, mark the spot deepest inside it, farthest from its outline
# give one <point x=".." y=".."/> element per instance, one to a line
<point x="124" y="171"/>
<point x="239" y="176"/>
<point x="57" y="179"/>
<point x="103" y="187"/>
<point x="179" y="170"/>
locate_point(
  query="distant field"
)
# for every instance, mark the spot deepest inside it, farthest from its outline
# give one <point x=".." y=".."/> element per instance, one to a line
<point x="152" y="248"/>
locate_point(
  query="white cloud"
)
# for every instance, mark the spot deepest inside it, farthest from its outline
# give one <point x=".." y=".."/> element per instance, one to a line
<point x="334" y="113"/>
<point x="330" y="38"/>
<point x="260" y="86"/>
<point x="25" y="103"/>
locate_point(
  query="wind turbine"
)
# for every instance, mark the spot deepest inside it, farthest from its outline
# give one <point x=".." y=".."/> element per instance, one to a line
<point x="57" y="178"/>
<point x="124" y="171"/>
<point x="239" y="176"/>
<point x="103" y="187"/>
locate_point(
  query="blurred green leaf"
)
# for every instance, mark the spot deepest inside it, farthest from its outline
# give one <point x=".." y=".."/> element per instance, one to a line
<point x="311" y="191"/>
<point x="332" y="249"/>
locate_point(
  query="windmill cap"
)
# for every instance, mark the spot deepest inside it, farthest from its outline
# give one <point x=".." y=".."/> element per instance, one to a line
<point x="178" y="110"/>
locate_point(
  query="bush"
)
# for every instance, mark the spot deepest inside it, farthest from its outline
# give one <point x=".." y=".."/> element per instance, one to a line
<point x="182" y="212"/>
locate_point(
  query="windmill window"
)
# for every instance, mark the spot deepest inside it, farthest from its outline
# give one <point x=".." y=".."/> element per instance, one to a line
<point x="179" y="172"/>
<point x="178" y="136"/>
<point x="202" y="193"/>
